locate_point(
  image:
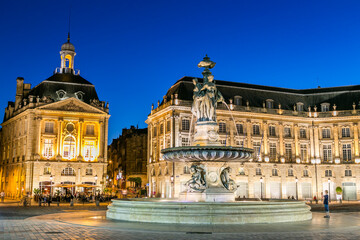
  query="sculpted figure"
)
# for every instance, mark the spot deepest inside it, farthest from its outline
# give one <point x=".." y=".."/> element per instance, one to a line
<point x="228" y="183"/>
<point x="198" y="97"/>
<point x="197" y="182"/>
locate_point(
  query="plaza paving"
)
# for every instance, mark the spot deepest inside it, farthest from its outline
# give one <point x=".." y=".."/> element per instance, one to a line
<point x="89" y="222"/>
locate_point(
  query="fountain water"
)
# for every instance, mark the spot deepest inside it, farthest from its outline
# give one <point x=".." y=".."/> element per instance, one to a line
<point x="209" y="198"/>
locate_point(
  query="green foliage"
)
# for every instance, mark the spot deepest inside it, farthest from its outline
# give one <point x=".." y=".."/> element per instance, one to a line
<point x="37" y="191"/>
<point x="137" y="180"/>
<point x="339" y="190"/>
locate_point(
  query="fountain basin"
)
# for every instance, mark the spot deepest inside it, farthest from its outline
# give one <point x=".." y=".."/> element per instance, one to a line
<point x="207" y="153"/>
<point x="167" y="211"/>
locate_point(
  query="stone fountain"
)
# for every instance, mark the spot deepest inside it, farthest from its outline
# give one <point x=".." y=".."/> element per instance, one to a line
<point x="209" y="198"/>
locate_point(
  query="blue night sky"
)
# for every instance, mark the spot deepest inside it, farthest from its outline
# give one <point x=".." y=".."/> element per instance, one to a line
<point x="133" y="51"/>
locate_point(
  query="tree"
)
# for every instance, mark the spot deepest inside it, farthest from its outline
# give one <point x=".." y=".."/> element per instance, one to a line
<point x="136" y="180"/>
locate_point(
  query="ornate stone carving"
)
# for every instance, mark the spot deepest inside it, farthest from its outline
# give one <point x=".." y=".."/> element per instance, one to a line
<point x="71" y="106"/>
<point x="197" y="183"/>
<point x="228" y="183"/>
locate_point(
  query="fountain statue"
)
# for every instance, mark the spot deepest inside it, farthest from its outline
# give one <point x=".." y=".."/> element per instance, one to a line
<point x="209" y="196"/>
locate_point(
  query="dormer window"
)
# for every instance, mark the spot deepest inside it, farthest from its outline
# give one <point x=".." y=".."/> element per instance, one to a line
<point x="325" y="107"/>
<point x="79" y="95"/>
<point x="238" y="100"/>
<point x="61" y="94"/>
<point x="269" y="103"/>
<point x="300" y="106"/>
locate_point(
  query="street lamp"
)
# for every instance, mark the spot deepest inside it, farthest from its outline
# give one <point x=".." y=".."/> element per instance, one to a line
<point x="296" y="180"/>
<point x="261" y="187"/>
<point x="51" y="178"/>
<point x="329" y="188"/>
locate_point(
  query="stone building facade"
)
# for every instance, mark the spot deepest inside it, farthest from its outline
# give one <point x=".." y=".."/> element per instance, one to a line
<point x="128" y="158"/>
<point x="305" y="141"/>
<point x="54" y="134"/>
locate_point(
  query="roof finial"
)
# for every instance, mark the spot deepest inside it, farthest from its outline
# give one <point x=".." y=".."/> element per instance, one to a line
<point x="68" y="39"/>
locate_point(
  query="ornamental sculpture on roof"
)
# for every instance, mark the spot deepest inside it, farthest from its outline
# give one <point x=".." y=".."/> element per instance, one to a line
<point x="206" y="96"/>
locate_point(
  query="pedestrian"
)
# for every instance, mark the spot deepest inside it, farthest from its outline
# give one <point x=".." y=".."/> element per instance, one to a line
<point x="2" y="195"/>
<point x="49" y="200"/>
<point x="326" y="204"/>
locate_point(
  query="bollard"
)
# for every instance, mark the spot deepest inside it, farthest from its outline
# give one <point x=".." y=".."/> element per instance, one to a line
<point x="97" y="202"/>
<point x="71" y="203"/>
<point x="58" y="203"/>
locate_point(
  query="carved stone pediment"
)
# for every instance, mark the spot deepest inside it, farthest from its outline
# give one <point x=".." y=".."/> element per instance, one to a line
<point x="71" y="105"/>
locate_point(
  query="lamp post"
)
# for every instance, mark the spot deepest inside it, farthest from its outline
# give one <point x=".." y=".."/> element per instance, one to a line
<point x="172" y="185"/>
<point x="261" y="187"/>
<point x="51" y="178"/>
<point x="296" y="180"/>
<point x="329" y="188"/>
<point x="96" y="177"/>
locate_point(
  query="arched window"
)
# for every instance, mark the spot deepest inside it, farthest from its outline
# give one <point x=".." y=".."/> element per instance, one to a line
<point x="69" y="147"/>
<point x="69" y="171"/>
<point x="348" y="173"/>
<point x="89" y="172"/>
<point x="89" y="150"/>
<point x="258" y="171"/>
<point x="275" y="172"/>
<point x="328" y="173"/>
<point x="290" y="172"/>
<point x="306" y="173"/>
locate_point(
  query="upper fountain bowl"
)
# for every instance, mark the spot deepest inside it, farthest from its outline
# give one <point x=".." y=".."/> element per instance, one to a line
<point x="207" y="153"/>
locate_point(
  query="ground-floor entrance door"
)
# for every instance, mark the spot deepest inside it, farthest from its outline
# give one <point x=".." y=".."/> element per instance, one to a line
<point x="349" y="191"/>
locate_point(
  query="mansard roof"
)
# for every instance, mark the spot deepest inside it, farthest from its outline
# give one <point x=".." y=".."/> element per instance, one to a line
<point x="69" y="83"/>
<point x="342" y="96"/>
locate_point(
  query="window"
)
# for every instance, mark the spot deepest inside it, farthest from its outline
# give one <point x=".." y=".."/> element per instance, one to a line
<point x="303" y="152"/>
<point x="186" y="170"/>
<point x="274" y="172"/>
<point x="256" y="146"/>
<point x="272" y="151"/>
<point x="239" y="128"/>
<point x="47" y="171"/>
<point x="305" y="173"/>
<point x="328" y="173"/>
<point x="48" y="148"/>
<point x="327" y="152"/>
<point x="168" y="144"/>
<point x="161" y="128"/>
<point x="326" y="132"/>
<point x="79" y="95"/>
<point x="69" y="147"/>
<point x="61" y="94"/>
<point x="49" y="127"/>
<point x="287" y="132"/>
<point x="89" y="172"/>
<point x="168" y="126"/>
<point x="222" y="127"/>
<point x="241" y="171"/>
<point x="256" y="129"/>
<point x="155" y="131"/>
<point x="89" y="150"/>
<point x="300" y="106"/>
<point x="345" y="132"/>
<point x="258" y="171"/>
<point x="290" y="172"/>
<point x="185" y="141"/>
<point x="185" y="124"/>
<point x="238" y="100"/>
<point x="90" y="130"/>
<point x="302" y="133"/>
<point x="348" y="173"/>
<point x="346" y="152"/>
<point x="69" y="171"/>
<point x="325" y="107"/>
<point x="240" y="143"/>
<point x="288" y="151"/>
<point x="269" y="103"/>
<point x="272" y="131"/>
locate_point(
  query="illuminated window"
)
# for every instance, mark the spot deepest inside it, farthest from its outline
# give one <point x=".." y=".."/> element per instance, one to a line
<point x="272" y="131"/>
<point x="161" y="128"/>
<point x="327" y="152"/>
<point x="303" y="152"/>
<point x="346" y="152"/>
<point x="168" y="128"/>
<point x="269" y="103"/>
<point x="185" y="142"/>
<point x="325" y="107"/>
<point x="89" y="172"/>
<point x="89" y="150"/>
<point x="272" y="151"/>
<point x="90" y="130"/>
<point x="48" y="148"/>
<point x="69" y="171"/>
<point x="326" y="132"/>
<point x="300" y="106"/>
<point x="239" y="128"/>
<point x="275" y="172"/>
<point x="49" y="127"/>
<point x="287" y="132"/>
<point x="69" y="147"/>
<point x="306" y="173"/>
<point x="79" y="95"/>
<point x="288" y="151"/>
<point x="256" y="146"/>
<point x="256" y="129"/>
<point x="348" y="173"/>
<point x="47" y="171"/>
<point x="61" y="94"/>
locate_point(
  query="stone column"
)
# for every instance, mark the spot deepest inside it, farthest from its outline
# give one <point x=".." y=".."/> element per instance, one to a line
<point x="281" y="139"/>
<point x="248" y="133"/>
<point x="296" y="137"/>
<point x="232" y="130"/>
<point x="101" y="138"/>
<point x="59" y="129"/>
<point x="80" y="137"/>
<point x="317" y="141"/>
<point x="106" y="126"/>
<point x="265" y="139"/>
<point x="312" y="147"/>
<point x="336" y="141"/>
<point x="177" y="130"/>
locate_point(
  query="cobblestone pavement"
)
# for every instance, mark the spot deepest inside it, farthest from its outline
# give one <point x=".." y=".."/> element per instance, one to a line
<point x="85" y="222"/>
